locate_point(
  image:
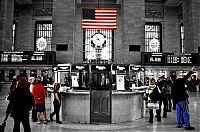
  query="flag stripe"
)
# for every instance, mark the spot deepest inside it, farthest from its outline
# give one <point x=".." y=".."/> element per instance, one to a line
<point x="100" y="27"/>
<point x="105" y="18"/>
<point x="108" y="24"/>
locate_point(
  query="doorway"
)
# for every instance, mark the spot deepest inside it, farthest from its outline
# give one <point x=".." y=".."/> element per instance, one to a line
<point x="100" y="97"/>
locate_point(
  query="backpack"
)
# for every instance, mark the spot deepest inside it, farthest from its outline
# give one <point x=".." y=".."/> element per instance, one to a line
<point x="155" y="95"/>
<point x="166" y="89"/>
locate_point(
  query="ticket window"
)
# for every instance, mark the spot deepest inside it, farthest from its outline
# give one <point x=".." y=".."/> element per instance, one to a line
<point x="120" y="74"/>
<point x="65" y="79"/>
<point x="137" y="76"/>
<point x="63" y="74"/>
<point x="33" y="73"/>
<point x="182" y="73"/>
<point x="162" y="73"/>
<point x="11" y="74"/>
<point x="101" y="80"/>
<point x="79" y="80"/>
<point x="133" y="79"/>
<point x="23" y="72"/>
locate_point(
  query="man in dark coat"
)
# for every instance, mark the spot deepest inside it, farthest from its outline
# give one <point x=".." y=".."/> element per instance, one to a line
<point x="21" y="102"/>
<point x="181" y="96"/>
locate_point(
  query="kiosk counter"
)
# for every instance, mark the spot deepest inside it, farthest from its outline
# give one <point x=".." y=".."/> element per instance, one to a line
<point x="125" y="106"/>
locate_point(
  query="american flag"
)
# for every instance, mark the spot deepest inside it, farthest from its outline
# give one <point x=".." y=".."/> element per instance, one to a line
<point x="100" y="18"/>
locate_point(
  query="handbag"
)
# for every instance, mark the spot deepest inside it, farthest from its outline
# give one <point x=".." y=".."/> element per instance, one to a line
<point x="3" y="125"/>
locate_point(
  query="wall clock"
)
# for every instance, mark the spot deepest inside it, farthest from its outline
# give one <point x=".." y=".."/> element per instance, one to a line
<point x="98" y="40"/>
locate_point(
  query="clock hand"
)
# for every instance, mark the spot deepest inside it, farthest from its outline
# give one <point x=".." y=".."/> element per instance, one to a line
<point x="97" y="38"/>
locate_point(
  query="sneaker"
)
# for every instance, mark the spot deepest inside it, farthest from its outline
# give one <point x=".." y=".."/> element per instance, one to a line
<point x="38" y="122"/>
<point x="59" y="122"/>
<point x="45" y="121"/>
<point x="189" y="128"/>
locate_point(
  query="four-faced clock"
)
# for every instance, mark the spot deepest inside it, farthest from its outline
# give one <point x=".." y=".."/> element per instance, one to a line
<point x="98" y="40"/>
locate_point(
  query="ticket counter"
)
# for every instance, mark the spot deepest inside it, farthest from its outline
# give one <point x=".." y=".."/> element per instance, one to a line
<point x="124" y="107"/>
<point x="96" y="101"/>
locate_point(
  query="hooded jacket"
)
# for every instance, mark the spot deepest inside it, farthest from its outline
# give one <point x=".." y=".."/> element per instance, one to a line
<point x="39" y="93"/>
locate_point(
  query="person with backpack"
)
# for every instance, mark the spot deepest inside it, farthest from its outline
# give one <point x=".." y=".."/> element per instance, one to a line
<point x="169" y="94"/>
<point x="163" y="98"/>
<point x="181" y="96"/>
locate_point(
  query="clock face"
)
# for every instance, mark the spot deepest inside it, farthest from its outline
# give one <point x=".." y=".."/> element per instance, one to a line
<point x="98" y="39"/>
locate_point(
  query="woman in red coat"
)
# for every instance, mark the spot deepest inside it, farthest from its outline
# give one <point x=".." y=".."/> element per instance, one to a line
<point x="39" y="93"/>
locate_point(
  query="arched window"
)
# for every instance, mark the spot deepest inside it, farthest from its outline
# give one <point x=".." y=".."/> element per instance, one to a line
<point x="44" y="31"/>
<point x="153" y="37"/>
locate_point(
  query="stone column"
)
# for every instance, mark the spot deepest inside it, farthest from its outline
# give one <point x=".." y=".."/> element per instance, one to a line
<point x="191" y="18"/>
<point x="6" y="23"/>
<point x="133" y="30"/>
<point x="63" y="29"/>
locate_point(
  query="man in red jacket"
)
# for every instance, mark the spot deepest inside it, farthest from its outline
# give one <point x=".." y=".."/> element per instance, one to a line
<point x="39" y="93"/>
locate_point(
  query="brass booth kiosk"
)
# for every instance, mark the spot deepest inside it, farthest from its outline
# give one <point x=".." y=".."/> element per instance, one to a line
<point x="98" y="93"/>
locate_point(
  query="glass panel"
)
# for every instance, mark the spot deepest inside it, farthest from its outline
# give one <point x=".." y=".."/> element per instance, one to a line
<point x="182" y="38"/>
<point x="13" y="37"/>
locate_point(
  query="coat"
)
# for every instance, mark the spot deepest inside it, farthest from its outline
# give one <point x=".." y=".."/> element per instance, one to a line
<point x="21" y="102"/>
<point x="39" y="93"/>
<point x="152" y="102"/>
<point x="179" y="90"/>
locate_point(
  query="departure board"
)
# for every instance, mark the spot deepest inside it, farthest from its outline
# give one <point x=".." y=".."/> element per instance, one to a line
<point x="27" y="57"/>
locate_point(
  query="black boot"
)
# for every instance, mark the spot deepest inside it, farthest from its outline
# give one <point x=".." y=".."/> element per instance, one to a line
<point x="158" y="118"/>
<point x="151" y="116"/>
<point x="51" y="117"/>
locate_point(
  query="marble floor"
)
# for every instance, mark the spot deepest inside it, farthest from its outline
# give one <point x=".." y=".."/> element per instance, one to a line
<point x="140" y="125"/>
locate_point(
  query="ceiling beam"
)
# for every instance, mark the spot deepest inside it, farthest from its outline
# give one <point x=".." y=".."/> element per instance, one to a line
<point x="24" y="1"/>
<point x="173" y="2"/>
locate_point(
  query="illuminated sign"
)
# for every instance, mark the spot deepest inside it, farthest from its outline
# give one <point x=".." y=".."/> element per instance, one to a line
<point x="156" y="57"/>
<point x="80" y="67"/>
<point x="170" y="59"/>
<point x="100" y="67"/>
<point x="179" y="59"/>
<point x="28" y="57"/>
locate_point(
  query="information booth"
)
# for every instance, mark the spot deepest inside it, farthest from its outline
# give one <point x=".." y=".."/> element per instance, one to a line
<point x="91" y="97"/>
<point x="100" y="95"/>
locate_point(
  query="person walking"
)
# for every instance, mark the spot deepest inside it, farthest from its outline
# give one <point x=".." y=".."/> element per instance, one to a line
<point x="39" y="93"/>
<point x="21" y="102"/>
<point x="163" y="99"/>
<point x="33" y="113"/>
<point x="56" y="103"/>
<point x="153" y="97"/>
<point x="181" y="96"/>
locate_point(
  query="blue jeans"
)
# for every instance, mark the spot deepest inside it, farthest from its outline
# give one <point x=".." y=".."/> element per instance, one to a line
<point x="182" y="112"/>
